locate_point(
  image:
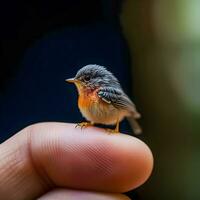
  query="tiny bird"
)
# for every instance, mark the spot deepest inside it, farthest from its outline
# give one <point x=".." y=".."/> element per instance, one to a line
<point x="102" y="99"/>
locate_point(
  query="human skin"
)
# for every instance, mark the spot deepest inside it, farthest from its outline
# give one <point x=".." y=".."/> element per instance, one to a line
<point x="43" y="158"/>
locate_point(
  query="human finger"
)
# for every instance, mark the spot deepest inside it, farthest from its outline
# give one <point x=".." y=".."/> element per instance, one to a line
<point x="56" y="154"/>
<point x="65" y="194"/>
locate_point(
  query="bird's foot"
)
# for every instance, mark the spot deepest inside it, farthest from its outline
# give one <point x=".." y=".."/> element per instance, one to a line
<point x="112" y="131"/>
<point x="83" y="125"/>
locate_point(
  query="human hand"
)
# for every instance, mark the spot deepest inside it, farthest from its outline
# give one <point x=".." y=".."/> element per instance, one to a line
<point x="43" y="158"/>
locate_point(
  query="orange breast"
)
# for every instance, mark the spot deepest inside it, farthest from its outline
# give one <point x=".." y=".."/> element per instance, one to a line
<point x="86" y="99"/>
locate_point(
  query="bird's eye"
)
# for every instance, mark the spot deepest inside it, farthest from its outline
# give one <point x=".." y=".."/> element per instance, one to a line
<point x="87" y="78"/>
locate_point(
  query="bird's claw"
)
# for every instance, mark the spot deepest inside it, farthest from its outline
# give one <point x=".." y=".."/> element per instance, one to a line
<point x="112" y="131"/>
<point x="83" y="125"/>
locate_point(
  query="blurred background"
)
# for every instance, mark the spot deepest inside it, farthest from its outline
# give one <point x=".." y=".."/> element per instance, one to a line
<point x="164" y="41"/>
<point x="42" y="43"/>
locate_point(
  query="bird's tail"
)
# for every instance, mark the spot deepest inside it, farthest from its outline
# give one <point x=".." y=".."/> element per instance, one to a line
<point x="135" y="125"/>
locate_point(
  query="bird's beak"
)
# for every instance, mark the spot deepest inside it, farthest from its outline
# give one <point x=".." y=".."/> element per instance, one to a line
<point x="71" y="80"/>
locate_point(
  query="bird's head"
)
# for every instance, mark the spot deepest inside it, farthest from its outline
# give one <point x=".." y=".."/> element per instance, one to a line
<point x="93" y="76"/>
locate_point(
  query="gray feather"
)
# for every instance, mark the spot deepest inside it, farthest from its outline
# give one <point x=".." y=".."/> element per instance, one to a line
<point x="118" y="99"/>
<point x="99" y="76"/>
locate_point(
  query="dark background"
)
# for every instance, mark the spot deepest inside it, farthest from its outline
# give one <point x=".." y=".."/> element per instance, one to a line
<point x="41" y="44"/>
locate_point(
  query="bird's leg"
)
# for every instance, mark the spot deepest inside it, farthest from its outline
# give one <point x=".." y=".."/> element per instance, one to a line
<point x="116" y="130"/>
<point x="84" y="124"/>
<point x="117" y="127"/>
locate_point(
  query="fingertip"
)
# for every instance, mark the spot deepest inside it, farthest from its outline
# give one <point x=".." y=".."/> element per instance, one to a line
<point x="91" y="158"/>
<point x="57" y="154"/>
<point x="135" y="158"/>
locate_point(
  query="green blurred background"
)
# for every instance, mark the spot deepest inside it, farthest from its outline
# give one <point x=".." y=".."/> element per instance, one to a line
<point x="164" y="40"/>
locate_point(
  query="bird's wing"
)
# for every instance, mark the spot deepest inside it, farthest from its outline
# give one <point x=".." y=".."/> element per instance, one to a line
<point x="118" y="99"/>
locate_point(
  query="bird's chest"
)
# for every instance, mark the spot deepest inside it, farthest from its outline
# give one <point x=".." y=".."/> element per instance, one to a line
<point x="87" y="100"/>
<point x="91" y="106"/>
<point x="95" y="110"/>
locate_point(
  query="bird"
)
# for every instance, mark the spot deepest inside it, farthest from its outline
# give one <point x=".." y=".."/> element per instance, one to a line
<point x="101" y="99"/>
